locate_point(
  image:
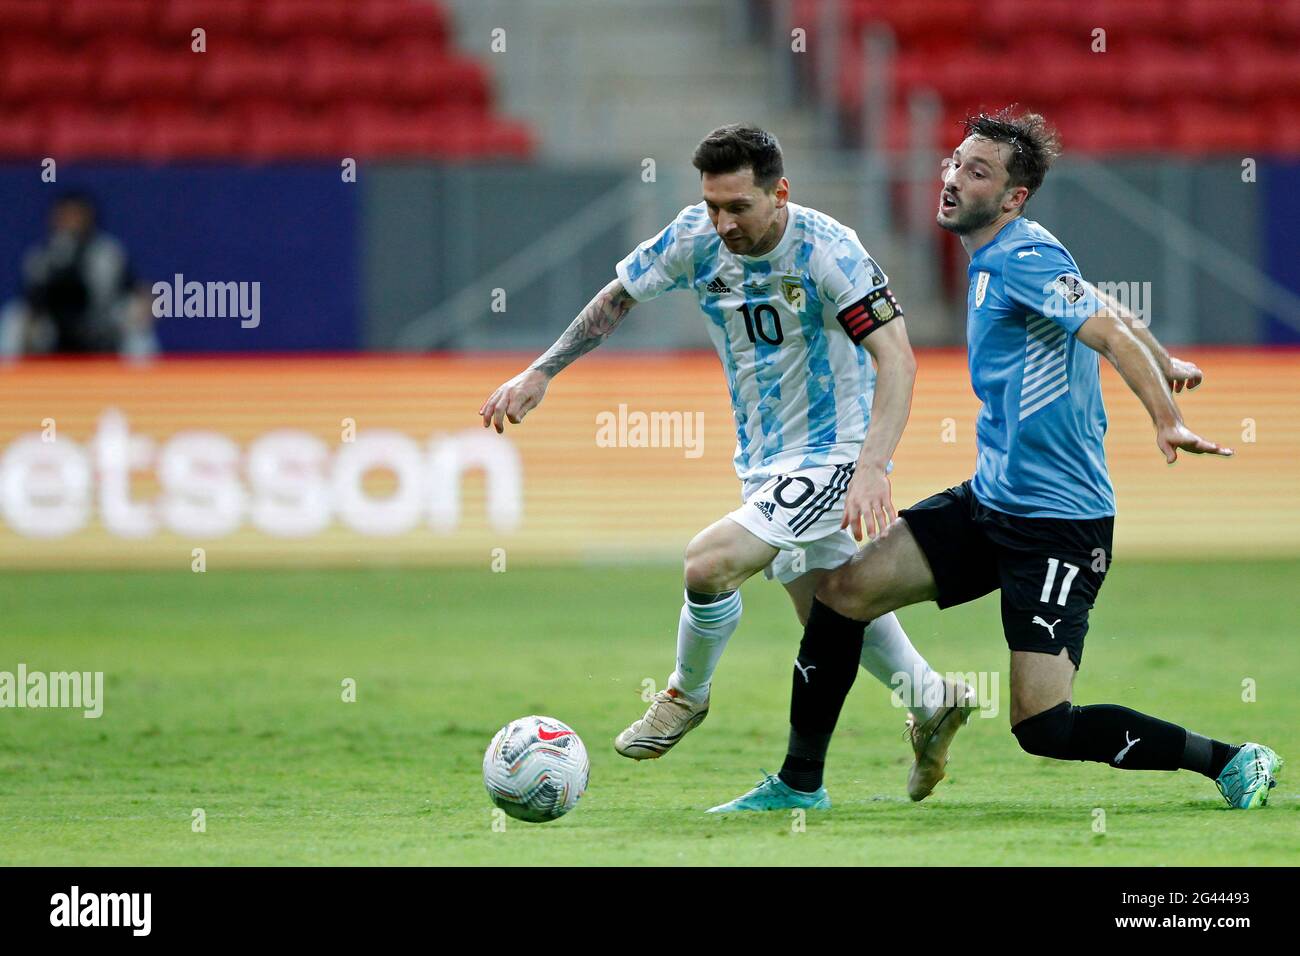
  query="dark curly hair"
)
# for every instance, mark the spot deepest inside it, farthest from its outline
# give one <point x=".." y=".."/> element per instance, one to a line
<point x="731" y="148"/>
<point x="1034" y="144"/>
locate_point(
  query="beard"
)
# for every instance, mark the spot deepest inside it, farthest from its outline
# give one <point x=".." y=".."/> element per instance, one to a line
<point x="746" y="245"/>
<point x="969" y="218"/>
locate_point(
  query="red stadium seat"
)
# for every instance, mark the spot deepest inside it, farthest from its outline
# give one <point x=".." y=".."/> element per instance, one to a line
<point x="98" y="135"/>
<point x="448" y="80"/>
<point x="240" y="72"/>
<point x="976" y="79"/>
<point x="1096" y="128"/>
<point x="452" y="134"/>
<point x="915" y="20"/>
<point x="278" y="80"/>
<point x="410" y="20"/>
<point x="178" y="136"/>
<point x="1124" y="18"/>
<point x="912" y="70"/>
<point x="45" y="73"/>
<point x="1281" y="122"/>
<point x="1199" y="129"/>
<point x="1157" y="70"/>
<point x="1253" y="69"/>
<point x="331" y="72"/>
<point x="334" y="73"/>
<point x="26" y="17"/>
<point x="1190" y="73"/>
<point x="508" y="139"/>
<point x="1206" y="20"/>
<point x="223" y="20"/>
<point x="1284" y="21"/>
<point x="82" y="18"/>
<point x="23" y="135"/>
<point x="303" y="18"/>
<point x="948" y="132"/>
<point x="387" y="133"/>
<point x="1056" y="77"/>
<point x="274" y="132"/>
<point x="493" y="139"/>
<point x="1002" y="21"/>
<point x="133" y="71"/>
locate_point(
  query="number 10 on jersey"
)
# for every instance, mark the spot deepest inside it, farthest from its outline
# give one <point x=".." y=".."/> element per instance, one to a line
<point x="755" y="323"/>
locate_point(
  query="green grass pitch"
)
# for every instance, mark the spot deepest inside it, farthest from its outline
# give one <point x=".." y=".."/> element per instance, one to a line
<point x="223" y="693"/>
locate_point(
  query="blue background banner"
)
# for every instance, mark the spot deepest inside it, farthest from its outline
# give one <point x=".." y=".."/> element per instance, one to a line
<point x="292" y="227"/>
<point x="1281" y="213"/>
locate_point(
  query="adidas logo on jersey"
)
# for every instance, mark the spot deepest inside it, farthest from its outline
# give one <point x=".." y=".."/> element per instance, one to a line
<point x="767" y="507"/>
<point x="717" y="287"/>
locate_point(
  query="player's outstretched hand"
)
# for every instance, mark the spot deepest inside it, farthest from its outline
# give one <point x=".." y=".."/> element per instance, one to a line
<point x="868" y="497"/>
<point x="1174" y="437"/>
<point x="1183" y="374"/>
<point x="515" y="399"/>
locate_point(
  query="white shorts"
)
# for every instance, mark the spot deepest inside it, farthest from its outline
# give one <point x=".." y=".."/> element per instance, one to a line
<point x="800" y="513"/>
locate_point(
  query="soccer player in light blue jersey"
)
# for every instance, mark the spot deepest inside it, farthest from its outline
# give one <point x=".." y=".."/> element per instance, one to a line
<point x="797" y="311"/>
<point x="1035" y="521"/>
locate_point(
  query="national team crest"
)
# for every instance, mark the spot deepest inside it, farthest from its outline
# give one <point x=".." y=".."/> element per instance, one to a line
<point x="793" y="290"/>
<point x="981" y="287"/>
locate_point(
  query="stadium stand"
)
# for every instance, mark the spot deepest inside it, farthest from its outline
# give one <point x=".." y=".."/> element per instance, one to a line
<point x="280" y="79"/>
<point x="1180" y="74"/>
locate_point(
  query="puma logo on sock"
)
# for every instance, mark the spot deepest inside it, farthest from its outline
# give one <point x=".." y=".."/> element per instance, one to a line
<point x="1128" y="746"/>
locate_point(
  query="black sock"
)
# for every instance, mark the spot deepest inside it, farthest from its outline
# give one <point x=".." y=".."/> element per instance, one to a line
<point x="1123" y="738"/>
<point x="1105" y="732"/>
<point x="802" y="773"/>
<point x="824" y="672"/>
<point x="1207" y="756"/>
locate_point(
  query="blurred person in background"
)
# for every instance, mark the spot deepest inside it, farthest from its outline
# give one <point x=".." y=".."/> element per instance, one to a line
<point x="79" y="294"/>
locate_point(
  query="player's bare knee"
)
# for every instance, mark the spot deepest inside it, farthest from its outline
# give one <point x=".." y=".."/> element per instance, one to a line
<point x="706" y="569"/>
<point x="697" y="572"/>
<point x="839" y="592"/>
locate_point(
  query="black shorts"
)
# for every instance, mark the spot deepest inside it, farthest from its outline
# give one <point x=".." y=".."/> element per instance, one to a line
<point x="1048" y="569"/>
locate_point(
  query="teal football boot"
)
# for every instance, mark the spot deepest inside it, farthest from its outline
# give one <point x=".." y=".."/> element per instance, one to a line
<point x="772" y="794"/>
<point x="1248" y="777"/>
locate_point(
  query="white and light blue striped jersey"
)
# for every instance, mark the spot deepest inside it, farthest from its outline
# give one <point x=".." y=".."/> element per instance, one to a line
<point x="786" y="326"/>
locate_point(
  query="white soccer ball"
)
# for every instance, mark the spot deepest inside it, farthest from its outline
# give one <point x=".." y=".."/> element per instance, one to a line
<point x="536" y="768"/>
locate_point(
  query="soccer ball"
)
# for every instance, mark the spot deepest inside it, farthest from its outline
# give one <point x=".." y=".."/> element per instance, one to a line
<point x="535" y="769"/>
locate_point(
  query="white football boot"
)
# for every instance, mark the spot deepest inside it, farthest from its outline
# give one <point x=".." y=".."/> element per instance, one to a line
<point x="667" y="721"/>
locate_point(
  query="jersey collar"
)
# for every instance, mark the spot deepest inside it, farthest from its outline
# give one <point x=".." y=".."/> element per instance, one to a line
<point x="1007" y="225"/>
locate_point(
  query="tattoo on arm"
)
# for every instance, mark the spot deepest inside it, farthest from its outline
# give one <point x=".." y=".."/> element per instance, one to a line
<point x="592" y="326"/>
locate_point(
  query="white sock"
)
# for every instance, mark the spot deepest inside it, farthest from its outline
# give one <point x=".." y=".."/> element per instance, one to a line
<point x="702" y="634"/>
<point x="887" y="654"/>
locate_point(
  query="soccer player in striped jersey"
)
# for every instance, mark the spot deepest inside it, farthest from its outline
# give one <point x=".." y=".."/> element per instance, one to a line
<point x="797" y="311"/>
<point x="1036" y="520"/>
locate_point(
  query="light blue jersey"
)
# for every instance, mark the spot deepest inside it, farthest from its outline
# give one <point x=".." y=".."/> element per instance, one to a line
<point x="786" y="327"/>
<point x="1040" y="430"/>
